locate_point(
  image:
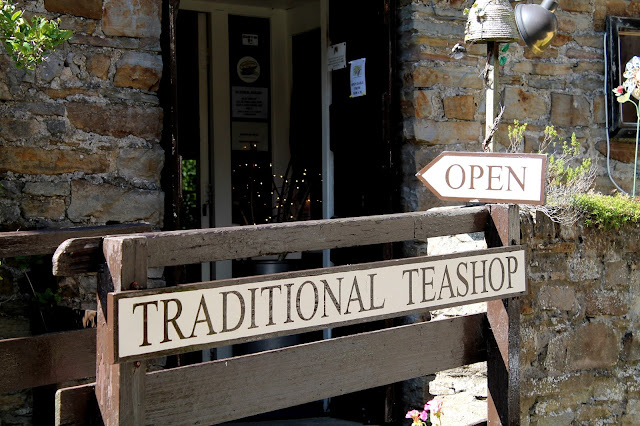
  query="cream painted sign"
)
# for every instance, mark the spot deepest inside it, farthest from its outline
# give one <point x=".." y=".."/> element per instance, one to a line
<point x="488" y="177"/>
<point x="173" y="320"/>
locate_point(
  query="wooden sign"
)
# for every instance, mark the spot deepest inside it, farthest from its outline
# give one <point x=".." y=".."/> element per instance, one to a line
<point x="151" y="323"/>
<point x="487" y="177"/>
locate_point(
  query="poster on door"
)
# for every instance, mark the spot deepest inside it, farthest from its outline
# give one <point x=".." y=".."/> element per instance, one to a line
<point x="358" y="81"/>
<point x="250" y="102"/>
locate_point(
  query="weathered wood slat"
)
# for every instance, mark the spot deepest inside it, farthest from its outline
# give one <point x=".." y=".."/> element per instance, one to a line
<point x="30" y="243"/>
<point x="208" y="245"/>
<point x="229" y="389"/>
<point x="29" y="362"/>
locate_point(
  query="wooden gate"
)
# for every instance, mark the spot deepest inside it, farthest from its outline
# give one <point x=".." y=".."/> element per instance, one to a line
<point x="224" y="390"/>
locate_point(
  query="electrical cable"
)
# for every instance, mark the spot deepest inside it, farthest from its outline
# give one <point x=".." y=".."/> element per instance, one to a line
<point x="606" y="107"/>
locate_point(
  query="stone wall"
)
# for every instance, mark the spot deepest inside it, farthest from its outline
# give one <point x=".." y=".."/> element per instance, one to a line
<point x="443" y="98"/>
<point x="79" y="144"/>
<point x="580" y="344"/>
<point x="80" y="135"/>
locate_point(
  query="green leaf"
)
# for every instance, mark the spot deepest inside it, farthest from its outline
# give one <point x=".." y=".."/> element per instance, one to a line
<point x="505" y="47"/>
<point x="16" y="15"/>
<point x="502" y="59"/>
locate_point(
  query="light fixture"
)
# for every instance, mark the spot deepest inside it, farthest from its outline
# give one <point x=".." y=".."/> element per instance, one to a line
<point x="537" y="24"/>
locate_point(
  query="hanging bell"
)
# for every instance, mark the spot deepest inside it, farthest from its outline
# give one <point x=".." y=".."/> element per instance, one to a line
<point x="491" y="20"/>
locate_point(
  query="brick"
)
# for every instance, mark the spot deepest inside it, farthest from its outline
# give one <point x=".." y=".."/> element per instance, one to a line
<point x="569" y="110"/>
<point x="39" y="161"/>
<point x="98" y="66"/>
<point x="103" y="203"/>
<point x="85" y="8"/>
<point x="139" y="71"/>
<point x="132" y="18"/>
<point x="116" y="120"/>
<point x="447" y="132"/>
<point x="522" y="105"/>
<point x="461" y="107"/>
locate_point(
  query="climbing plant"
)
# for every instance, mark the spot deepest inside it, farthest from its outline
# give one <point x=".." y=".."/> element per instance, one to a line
<point x="29" y="42"/>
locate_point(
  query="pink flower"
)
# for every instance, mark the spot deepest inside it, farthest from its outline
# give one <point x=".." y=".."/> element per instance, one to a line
<point x="413" y="414"/>
<point x="619" y="90"/>
<point x="424" y="416"/>
<point x="435" y="406"/>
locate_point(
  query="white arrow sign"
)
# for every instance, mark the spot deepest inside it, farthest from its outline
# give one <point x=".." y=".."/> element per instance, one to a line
<point x="487" y="177"/>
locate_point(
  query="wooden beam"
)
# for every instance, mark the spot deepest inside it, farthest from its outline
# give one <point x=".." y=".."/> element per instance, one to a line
<point x="229" y="389"/>
<point x="30" y="243"/>
<point x="28" y="362"/>
<point x="208" y="245"/>
<point x="503" y="342"/>
<point x="120" y="387"/>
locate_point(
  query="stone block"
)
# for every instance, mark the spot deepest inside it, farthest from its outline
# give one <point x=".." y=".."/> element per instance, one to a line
<point x="447" y="132"/>
<point x="116" y="120"/>
<point x="562" y="298"/>
<point x="422" y="104"/>
<point x="522" y="105"/>
<point x="47" y="189"/>
<point x="86" y="8"/>
<point x="619" y="151"/>
<point x="570" y="110"/>
<point x="78" y="25"/>
<point x="132" y="18"/>
<point x="15" y="129"/>
<point x="631" y="413"/>
<point x="143" y="164"/>
<point x="575" y="5"/>
<point x="583" y="54"/>
<point x="461" y="107"/>
<point x="616" y="274"/>
<point x="68" y="92"/>
<point x="98" y="66"/>
<point x="39" y="161"/>
<point x="606" y="303"/>
<point x="139" y="71"/>
<point x="457" y="77"/>
<point x="591" y="346"/>
<point x="44" y="208"/>
<point x="104" y="203"/>
<point x="550" y="69"/>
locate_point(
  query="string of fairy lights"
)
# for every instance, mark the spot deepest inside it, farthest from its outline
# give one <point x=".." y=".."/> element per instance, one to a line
<point x="260" y="196"/>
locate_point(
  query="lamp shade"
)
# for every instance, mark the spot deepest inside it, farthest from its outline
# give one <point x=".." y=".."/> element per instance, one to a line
<point x="537" y="24"/>
<point x="491" y="20"/>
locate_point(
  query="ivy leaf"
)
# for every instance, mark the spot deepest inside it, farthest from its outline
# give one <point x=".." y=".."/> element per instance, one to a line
<point x="504" y="48"/>
<point x="502" y="59"/>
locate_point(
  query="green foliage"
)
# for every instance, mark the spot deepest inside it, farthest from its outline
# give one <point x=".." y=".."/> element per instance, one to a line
<point x="565" y="168"/>
<point x="48" y="298"/>
<point x="28" y="43"/>
<point x="608" y="212"/>
<point x="516" y="136"/>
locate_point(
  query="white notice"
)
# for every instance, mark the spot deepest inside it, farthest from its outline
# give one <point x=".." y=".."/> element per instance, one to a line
<point x="358" y="80"/>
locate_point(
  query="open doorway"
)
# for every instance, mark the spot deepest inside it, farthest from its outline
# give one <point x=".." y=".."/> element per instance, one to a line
<point x="265" y="128"/>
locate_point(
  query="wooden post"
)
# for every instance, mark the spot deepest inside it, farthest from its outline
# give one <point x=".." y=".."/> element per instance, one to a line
<point x="119" y="387"/>
<point x="503" y="343"/>
<point x="492" y="92"/>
